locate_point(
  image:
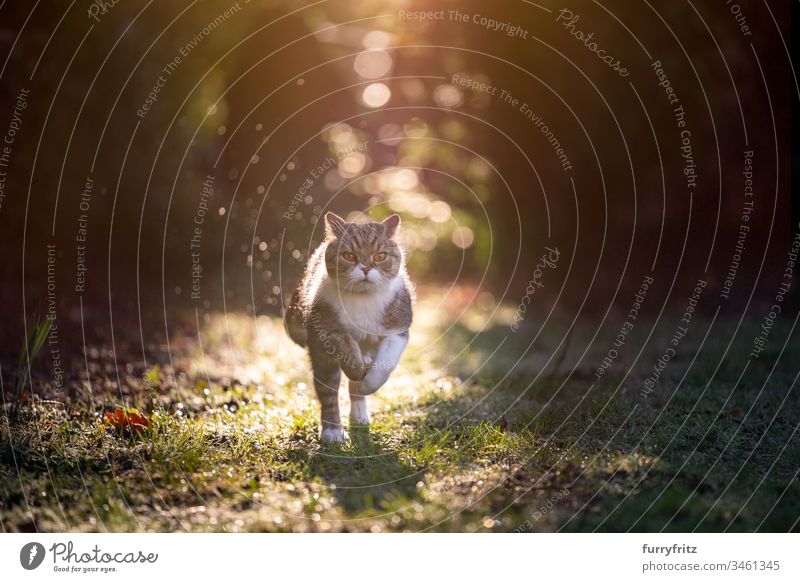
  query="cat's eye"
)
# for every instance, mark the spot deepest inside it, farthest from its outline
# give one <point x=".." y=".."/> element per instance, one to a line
<point x="350" y="257"/>
<point x="378" y="257"/>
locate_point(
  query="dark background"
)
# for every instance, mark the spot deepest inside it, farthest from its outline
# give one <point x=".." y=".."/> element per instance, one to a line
<point x="86" y="86"/>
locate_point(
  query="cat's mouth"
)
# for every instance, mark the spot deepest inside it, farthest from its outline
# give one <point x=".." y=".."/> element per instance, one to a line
<point x="359" y="281"/>
<point x="364" y="285"/>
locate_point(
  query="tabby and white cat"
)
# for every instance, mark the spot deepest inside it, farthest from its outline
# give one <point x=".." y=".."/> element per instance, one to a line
<point x="352" y="310"/>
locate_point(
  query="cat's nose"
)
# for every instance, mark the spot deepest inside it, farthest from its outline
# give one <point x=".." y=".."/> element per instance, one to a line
<point x="365" y="269"/>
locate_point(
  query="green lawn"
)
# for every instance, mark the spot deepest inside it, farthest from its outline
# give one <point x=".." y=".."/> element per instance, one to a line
<point x="472" y="433"/>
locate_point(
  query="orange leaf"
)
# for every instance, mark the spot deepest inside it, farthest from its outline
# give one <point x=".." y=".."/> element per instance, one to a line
<point x="121" y="420"/>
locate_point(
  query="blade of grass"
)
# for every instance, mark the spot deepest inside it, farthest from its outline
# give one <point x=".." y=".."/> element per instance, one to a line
<point x="38" y="330"/>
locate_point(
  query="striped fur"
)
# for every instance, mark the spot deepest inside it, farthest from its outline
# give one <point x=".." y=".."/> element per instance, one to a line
<point x="352" y="310"/>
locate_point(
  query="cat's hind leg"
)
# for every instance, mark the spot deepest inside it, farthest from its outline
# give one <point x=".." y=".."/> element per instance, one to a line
<point x="385" y="361"/>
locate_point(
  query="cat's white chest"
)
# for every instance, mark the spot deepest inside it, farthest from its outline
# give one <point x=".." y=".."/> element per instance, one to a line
<point x="362" y="314"/>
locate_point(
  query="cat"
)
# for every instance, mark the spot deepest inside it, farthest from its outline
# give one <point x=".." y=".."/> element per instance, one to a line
<point x="352" y="309"/>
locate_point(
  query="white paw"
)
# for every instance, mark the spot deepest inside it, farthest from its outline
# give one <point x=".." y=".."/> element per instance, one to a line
<point x="333" y="434"/>
<point x="359" y="413"/>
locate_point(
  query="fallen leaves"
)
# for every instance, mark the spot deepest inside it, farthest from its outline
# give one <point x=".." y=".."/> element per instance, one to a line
<point x="126" y="420"/>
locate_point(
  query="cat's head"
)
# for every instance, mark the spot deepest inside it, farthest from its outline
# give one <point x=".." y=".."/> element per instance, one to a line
<point x="362" y="258"/>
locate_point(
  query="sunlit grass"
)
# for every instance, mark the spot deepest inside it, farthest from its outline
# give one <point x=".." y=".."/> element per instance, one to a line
<point x="461" y="441"/>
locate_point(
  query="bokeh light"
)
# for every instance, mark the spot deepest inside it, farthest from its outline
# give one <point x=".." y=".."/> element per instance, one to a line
<point x="440" y="211"/>
<point x="376" y="95"/>
<point x="373" y="63"/>
<point x="352" y="165"/>
<point x="463" y="237"/>
<point x="448" y="96"/>
<point x="377" y="39"/>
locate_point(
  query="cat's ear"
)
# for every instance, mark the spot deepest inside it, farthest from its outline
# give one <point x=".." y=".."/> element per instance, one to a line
<point x="335" y="225"/>
<point x="390" y="225"/>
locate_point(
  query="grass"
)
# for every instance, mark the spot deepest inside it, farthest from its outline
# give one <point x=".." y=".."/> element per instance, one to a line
<point x="462" y="439"/>
<point x="37" y="330"/>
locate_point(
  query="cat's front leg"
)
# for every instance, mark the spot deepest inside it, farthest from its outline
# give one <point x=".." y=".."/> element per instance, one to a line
<point x="327" y="339"/>
<point x="359" y="412"/>
<point x="353" y="362"/>
<point x="385" y="361"/>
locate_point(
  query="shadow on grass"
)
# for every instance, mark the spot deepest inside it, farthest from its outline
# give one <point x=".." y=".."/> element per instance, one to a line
<point x="366" y="477"/>
<point x="463" y="434"/>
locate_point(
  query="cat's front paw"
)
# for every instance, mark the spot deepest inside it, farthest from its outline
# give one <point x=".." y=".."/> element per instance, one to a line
<point x="358" y="369"/>
<point x="359" y="413"/>
<point x="333" y="434"/>
<point x="374" y="379"/>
